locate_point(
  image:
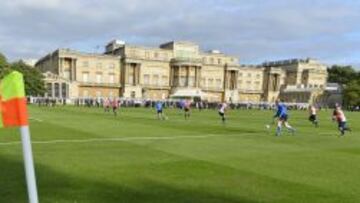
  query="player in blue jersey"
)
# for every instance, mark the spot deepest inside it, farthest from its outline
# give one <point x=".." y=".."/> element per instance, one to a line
<point x="282" y="116"/>
<point x="159" y="110"/>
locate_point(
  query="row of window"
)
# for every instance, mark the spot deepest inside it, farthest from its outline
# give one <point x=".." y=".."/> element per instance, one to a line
<point x="249" y="75"/>
<point x="249" y="85"/>
<point x="148" y="55"/>
<point x="156" y="79"/>
<point x="99" y="65"/>
<point x="98" y="78"/>
<point x="165" y="56"/>
<point x="211" y="82"/>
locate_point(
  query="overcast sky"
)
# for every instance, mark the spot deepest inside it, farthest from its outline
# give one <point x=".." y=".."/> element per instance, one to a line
<point x="252" y="30"/>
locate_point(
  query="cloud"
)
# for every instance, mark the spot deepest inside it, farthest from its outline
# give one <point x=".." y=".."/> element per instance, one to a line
<point x="254" y="31"/>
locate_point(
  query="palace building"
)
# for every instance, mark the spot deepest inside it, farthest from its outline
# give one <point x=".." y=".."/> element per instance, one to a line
<point x="179" y="69"/>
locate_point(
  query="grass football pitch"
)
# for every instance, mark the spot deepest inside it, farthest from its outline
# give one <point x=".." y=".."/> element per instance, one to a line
<point x="83" y="155"/>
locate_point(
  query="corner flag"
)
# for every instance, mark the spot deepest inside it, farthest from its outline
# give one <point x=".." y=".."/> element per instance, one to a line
<point x="13" y="113"/>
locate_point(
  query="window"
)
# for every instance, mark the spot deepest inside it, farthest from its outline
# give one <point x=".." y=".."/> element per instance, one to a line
<point x="211" y="60"/>
<point x="219" y="61"/>
<point x="99" y="65"/>
<point x="203" y="82"/>
<point x="85" y="93"/>
<point x="131" y="79"/>
<point x="248" y="85"/>
<point x="156" y="55"/>
<point x="257" y="76"/>
<point x="49" y="89"/>
<point x="156" y="79"/>
<point x="191" y="81"/>
<point x="182" y="80"/>
<point x="146" y="79"/>
<point x="211" y="82"/>
<point x="85" y="77"/>
<point x="218" y="83"/>
<point x="147" y="55"/>
<point x="111" y="78"/>
<point x="99" y="77"/>
<point x="249" y="75"/>
<point x="67" y="74"/>
<point x="204" y="60"/>
<point x="111" y="66"/>
<point x="133" y="94"/>
<point x="240" y="83"/>
<point x="240" y="74"/>
<point x="85" y="64"/>
<point x="257" y="85"/>
<point x="165" y="80"/>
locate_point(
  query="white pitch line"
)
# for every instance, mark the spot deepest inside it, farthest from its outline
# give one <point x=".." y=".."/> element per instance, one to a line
<point x="109" y="139"/>
<point x="36" y="119"/>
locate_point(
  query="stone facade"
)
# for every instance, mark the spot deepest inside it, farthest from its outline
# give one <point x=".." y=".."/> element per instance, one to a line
<point x="180" y="70"/>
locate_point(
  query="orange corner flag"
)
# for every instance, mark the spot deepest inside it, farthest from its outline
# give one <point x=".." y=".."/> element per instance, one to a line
<point x="13" y="112"/>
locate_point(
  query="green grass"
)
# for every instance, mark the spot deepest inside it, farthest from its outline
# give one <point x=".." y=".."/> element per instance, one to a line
<point x="238" y="162"/>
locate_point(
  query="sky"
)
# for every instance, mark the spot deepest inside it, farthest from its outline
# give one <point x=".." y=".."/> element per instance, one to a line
<point x="252" y="30"/>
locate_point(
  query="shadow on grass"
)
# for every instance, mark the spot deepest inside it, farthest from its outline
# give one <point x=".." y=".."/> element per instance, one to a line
<point x="60" y="188"/>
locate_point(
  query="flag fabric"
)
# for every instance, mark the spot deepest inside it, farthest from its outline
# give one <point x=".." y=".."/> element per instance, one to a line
<point x="13" y="111"/>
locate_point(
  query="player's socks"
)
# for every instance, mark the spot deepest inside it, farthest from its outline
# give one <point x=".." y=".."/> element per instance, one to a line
<point x="292" y="130"/>
<point x="278" y="131"/>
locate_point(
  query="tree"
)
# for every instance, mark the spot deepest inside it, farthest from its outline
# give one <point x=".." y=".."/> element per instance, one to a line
<point x="350" y="79"/>
<point x="352" y="93"/>
<point x="34" y="80"/>
<point x="342" y="74"/>
<point x="4" y="66"/>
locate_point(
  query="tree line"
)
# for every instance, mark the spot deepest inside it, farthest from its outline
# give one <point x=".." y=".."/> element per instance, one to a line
<point x="34" y="80"/>
<point x="349" y="78"/>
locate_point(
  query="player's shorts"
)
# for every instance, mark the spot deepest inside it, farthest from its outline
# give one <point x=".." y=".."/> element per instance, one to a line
<point x="283" y="117"/>
<point x="114" y="108"/>
<point x="221" y="114"/>
<point x="159" y="111"/>
<point x="342" y="125"/>
<point x="312" y="118"/>
<point x="186" y="109"/>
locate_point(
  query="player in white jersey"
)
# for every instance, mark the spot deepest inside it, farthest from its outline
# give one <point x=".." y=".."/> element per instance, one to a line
<point x="222" y="110"/>
<point x="339" y="116"/>
<point x="313" y="115"/>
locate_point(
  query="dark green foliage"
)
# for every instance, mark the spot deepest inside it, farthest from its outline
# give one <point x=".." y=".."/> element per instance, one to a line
<point x="350" y="79"/>
<point x="34" y="84"/>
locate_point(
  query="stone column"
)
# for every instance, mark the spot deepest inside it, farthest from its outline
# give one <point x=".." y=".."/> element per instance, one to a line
<point x="236" y="79"/>
<point x="137" y="81"/>
<point x="61" y="68"/>
<point x="171" y="72"/>
<point x="52" y="89"/>
<point x="187" y="75"/>
<point x="196" y="76"/>
<point x="67" y="90"/>
<point x="125" y="73"/>
<point x="60" y="90"/>
<point x="74" y="67"/>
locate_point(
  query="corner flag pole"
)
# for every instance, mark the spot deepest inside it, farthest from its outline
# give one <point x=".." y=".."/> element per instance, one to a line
<point x="13" y="113"/>
<point x="29" y="164"/>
